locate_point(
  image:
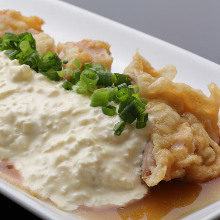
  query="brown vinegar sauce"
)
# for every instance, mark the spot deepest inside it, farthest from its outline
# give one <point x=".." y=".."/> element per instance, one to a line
<point x="167" y="200"/>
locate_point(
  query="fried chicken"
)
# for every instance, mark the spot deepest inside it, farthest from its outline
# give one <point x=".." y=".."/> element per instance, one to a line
<point x="184" y="137"/>
<point x="14" y="22"/>
<point x="86" y="51"/>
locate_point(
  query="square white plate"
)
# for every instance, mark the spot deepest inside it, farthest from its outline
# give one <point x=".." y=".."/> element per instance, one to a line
<point x="69" y="23"/>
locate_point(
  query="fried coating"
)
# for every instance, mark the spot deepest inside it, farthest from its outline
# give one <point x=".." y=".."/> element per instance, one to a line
<point x="184" y="137"/>
<point x="15" y="22"/>
<point x="86" y="51"/>
<point x="44" y="42"/>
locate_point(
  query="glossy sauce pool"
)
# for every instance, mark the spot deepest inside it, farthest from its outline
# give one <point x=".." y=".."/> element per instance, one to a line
<point x="167" y="200"/>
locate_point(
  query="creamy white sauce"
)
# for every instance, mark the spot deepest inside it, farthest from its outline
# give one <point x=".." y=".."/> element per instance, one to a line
<point x="66" y="150"/>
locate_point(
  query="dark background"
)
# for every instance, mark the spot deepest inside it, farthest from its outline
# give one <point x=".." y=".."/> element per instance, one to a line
<point x="191" y="24"/>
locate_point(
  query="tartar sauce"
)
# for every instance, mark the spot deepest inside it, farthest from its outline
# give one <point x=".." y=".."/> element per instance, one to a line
<point x="64" y="149"/>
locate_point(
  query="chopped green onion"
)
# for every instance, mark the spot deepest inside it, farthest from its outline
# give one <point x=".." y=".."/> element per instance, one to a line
<point x="11" y="53"/>
<point x="25" y="48"/>
<point x="119" y="127"/>
<point x="134" y="87"/>
<point x="142" y="121"/>
<point x="67" y="85"/>
<point x="10" y="41"/>
<point x="80" y="87"/>
<point x="123" y="104"/>
<point x="90" y="78"/>
<point x="109" y="110"/>
<point x="121" y="78"/>
<point x="76" y="77"/>
<point x="77" y="64"/>
<point x="52" y="76"/>
<point x="144" y="101"/>
<point x="123" y="94"/>
<point x="65" y="61"/>
<point x="100" y="97"/>
<point x="32" y="60"/>
<point x="61" y="73"/>
<point x="113" y="94"/>
<point x="87" y="65"/>
<point x="50" y="62"/>
<point x="131" y="111"/>
<point x="98" y="66"/>
<point x="28" y="37"/>
<point x="105" y="78"/>
<point x="123" y="85"/>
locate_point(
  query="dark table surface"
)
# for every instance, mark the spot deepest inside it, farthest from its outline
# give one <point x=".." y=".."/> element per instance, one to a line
<point x="192" y="25"/>
<point x="10" y="210"/>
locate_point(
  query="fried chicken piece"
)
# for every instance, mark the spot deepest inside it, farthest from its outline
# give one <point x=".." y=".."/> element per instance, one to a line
<point x="86" y="51"/>
<point x="184" y="136"/>
<point x="15" y="22"/>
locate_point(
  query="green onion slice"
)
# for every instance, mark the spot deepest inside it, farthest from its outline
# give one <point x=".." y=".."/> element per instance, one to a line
<point x="100" y="97"/>
<point x="76" y="77"/>
<point x="80" y="87"/>
<point x="50" y="62"/>
<point x="90" y="78"/>
<point x="52" y="76"/>
<point x="135" y="88"/>
<point x="11" y="53"/>
<point x="105" y="78"/>
<point x="25" y="48"/>
<point x="121" y="78"/>
<point x="28" y="37"/>
<point x="123" y="94"/>
<point x="123" y="85"/>
<point x="142" y="121"/>
<point x="67" y="85"/>
<point x="98" y="66"/>
<point x="32" y="60"/>
<point x="113" y="94"/>
<point x="77" y="63"/>
<point x="132" y="111"/>
<point x="144" y="101"/>
<point x="87" y="65"/>
<point x="109" y="110"/>
<point x="119" y="127"/>
<point x="10" y="41"/>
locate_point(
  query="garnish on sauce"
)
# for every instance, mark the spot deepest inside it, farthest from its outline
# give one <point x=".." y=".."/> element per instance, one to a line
<point x="112" y="91"/>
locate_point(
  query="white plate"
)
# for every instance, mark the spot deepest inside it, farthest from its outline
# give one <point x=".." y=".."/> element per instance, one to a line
<point x="69" y="23"/>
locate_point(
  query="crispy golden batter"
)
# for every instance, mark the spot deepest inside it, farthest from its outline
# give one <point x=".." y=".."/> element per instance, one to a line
<point x="87" y="51"/>
<point x="44" y="42"/>
<point x="13" y="21"/>
<point x="184" y="138"/>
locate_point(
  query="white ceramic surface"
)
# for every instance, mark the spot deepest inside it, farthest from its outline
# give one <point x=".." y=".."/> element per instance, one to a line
<point x="68" y="23"/>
